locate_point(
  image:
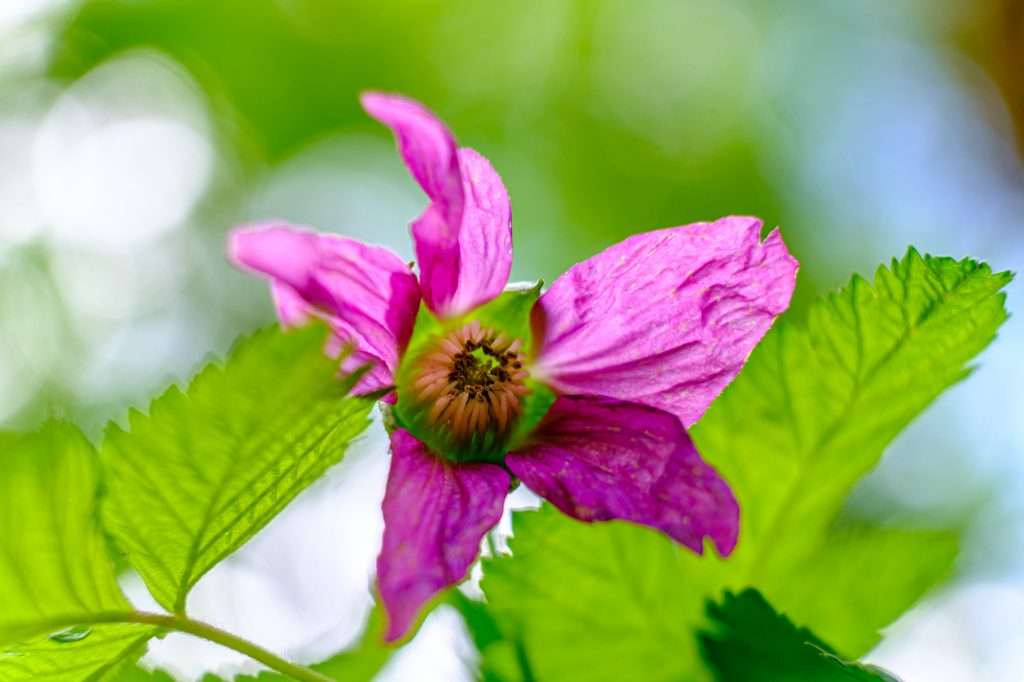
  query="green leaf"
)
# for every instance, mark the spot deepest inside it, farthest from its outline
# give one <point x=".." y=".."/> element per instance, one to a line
<point x="193" y="480"/>
<point x="872" y="575"/>
<point x="101" y="654"/>
<point x="809" y="416"/>
<point x="59" y="590"/>
<point x="812" y="414"/>
<point x="502" y="654"/>
<point x="827" y="400"/>
<point x="137" y="674"/>
<point x="750" y="642"/>
<point x="595" y="602"/>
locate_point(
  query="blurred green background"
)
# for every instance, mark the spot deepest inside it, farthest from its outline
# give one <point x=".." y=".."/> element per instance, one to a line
<point x="133" y="133"/>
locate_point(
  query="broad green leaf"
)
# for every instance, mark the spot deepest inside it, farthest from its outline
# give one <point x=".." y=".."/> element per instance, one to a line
<point x="750" y="642"/>
<point x="599" y="602"/>
<point x="872" y="575"/>
<point x="59" y="592"/>
<point x="137" y="674"/>
<point x="809" y="416"/>
<point x="826" y="401"/>
<point x="192" y="480"/>
<point x="101" y="653"/>
<point x="7" y="440"/>
<point x="502" y="654"/>
<point x="812" y="414"/>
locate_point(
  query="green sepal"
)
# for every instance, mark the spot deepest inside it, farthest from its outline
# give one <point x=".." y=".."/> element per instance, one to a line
<point x="508" y="312"/>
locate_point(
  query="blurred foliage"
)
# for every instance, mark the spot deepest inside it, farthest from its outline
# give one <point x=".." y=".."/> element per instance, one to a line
<point x="992" y="34"/>
<point x="527" y="96"/>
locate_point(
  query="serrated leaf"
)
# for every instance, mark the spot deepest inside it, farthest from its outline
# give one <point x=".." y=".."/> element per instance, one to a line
<point x="751" y="642"/>
<point x="99" y="656"/>
<point x="827" y="400"/>
<point x="803" y="422"/>
<point x="59" y="590"/>
<point x="813" y="413"/>
<point x="194" y="479"/>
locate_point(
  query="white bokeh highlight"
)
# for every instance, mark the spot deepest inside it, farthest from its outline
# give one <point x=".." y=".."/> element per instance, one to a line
<point x="123" y="156"/>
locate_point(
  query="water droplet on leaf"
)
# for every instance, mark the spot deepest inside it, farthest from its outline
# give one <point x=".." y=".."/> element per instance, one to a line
<point x="73" y="634"/>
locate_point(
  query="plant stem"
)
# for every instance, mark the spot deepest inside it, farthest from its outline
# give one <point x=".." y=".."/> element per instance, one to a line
<point x="218" y="636"/>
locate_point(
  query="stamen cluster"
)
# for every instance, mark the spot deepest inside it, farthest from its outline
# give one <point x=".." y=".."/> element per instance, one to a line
<point x="470" y="384"/>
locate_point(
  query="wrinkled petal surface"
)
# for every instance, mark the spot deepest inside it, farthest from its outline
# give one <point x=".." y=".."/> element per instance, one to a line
<point x="665" y="318"/>
<point x="464" y="238"/>
<point x="435" y="515"/>
<point x="598" y="459"/>
<point x="366" y="294"/>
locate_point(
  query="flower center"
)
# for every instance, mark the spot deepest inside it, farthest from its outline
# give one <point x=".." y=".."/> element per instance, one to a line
<point x="468" y="387"/>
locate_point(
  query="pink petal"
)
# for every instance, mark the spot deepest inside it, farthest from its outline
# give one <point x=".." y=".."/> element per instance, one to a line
<point x="435" y="515"/>
<point x="464" y="238"/>
<point x="292" y="309"/>
<point x="665" y="318"/>
<point x="426" y="145"/>
<point x="598" y="459"/>
<point x="439" y="257"/>
<point x="366" y="293"/>
<point x="485" y="236"/>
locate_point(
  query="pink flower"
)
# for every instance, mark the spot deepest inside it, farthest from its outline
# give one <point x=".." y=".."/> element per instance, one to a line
<point x="587" y="404"/>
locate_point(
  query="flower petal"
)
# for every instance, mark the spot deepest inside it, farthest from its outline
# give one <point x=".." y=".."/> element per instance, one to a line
<point x="598" y="459"/>
<point x="485" y="236"/>
<point x="366" y="294"/>
<point x="665" y="318"/>
<point x="426" y="145"/>
<point x="464" y="238"/>
<point x="435" y="515"/>
<point x="439" y="258"/>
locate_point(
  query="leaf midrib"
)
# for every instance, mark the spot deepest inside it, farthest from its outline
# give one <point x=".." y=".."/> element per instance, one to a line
<point x="835" y="426"/>
<point x="199" y="544"/>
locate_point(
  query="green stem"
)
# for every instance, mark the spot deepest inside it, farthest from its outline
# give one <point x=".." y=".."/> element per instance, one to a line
<point x="218" y="636"/>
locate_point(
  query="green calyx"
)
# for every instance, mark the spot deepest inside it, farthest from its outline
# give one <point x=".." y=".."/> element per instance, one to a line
<point x="464" y="387"/>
